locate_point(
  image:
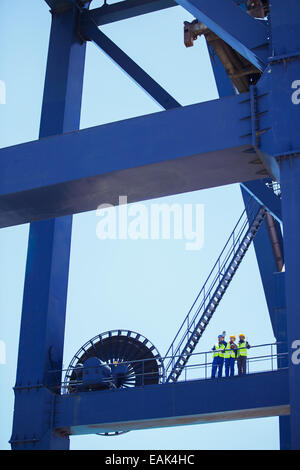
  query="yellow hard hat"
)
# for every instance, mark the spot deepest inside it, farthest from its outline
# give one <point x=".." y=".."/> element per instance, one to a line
<point x="232" y="336"/>
<point x="242" y="334"/>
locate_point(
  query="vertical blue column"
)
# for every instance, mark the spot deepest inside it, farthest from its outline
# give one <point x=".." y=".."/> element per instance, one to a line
<point x="282" y="360"/>
<point x="290" y="183"/>
<point x="45" y="290"/>
<point x="285" y="106"/>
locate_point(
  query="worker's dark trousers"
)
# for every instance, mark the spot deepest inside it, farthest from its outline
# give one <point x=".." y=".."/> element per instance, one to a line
<point x="242" y="365"/>
<point x="217" y="364"/>
<point x="229" y="366"/>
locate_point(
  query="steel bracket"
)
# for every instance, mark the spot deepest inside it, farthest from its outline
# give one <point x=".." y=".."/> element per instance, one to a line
<point x="82" y="6"/>
<point x="255" y="130"/>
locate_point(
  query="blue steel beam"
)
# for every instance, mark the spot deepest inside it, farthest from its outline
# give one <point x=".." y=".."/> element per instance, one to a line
<point x="223" y="83"/>
<point x="241" y="31"/>
<point x="285" y="107"/>
<point x="290" y="173"/>
<point x="146" y="157"/>
<point x="90" y="31"/>
<point x="268" y="269"/>
<point x="264" y="196"/>
<point x="45" y="290"/>
<point x="127" y="9"/>
<point x="60" y="5"/>
<point x="281" y="336"/>
<point x="181" y="403"/>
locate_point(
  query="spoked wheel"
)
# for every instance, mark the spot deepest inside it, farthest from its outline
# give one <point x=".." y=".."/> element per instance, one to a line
<point x="132" y="358"/>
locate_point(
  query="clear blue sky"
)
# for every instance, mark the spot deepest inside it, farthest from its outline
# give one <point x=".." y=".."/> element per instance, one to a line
<point x="144" y="285"/>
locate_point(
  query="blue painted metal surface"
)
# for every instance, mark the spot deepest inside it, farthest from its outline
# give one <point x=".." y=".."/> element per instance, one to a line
<point x="62" y="175"/>
<point x="265" y="122"/>
<point x="265" y="196"/>
<point x="267" y="266"/>
<point x="273" y="282"/>
<point x="223" y="82"/>
<point x="280" y="332"/>
<point x="46" y="280"/>
<point x="259" y="115"/>
<point x="90" y="31"/>
<point x="174" y="404"/>
<point x="60" y="5"/>
<point x="243" y="33"/>
<point x="285" y="70"/>
<point x="262" y="125"/>
<point x="258" y="190"/>
<point x="290" y="174"/>
<point x="127" y="9"/>
<point x="96" y="375"/>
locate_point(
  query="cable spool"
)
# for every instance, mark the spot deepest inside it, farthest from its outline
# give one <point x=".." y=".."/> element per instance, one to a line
<point x="132" y="358"/>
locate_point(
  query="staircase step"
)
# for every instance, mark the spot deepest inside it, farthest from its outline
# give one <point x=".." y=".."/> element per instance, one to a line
<point x="240" y="242"/>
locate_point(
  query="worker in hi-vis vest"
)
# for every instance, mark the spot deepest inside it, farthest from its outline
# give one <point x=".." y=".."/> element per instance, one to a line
<point x="218" y="356"/>
<point x="242" y="347"/>
<point x="230" y="356"/>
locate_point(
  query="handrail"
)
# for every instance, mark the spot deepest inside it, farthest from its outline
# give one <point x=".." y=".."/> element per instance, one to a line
<point x="201" y="353"/>
<point x="246" y="220"/>
<point x="199" y="365"/>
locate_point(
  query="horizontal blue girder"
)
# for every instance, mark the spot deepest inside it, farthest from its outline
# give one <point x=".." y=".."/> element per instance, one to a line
<point x="90" y="31"/>
<point x="227" y="20"/>
<point x="184" y="149"/>
<point x="60" y="4"/>
<point x="175" y="404"/>
<point x="127" y="9"/>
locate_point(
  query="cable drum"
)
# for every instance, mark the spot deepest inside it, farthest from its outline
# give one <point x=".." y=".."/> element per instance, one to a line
<point x="131" y="359"/>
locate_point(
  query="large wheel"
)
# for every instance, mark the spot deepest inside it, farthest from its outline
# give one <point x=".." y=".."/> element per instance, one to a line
<point x="133" y="359"/>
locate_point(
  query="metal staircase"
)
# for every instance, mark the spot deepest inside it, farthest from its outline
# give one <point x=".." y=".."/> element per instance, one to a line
<point x="213" y="289"/>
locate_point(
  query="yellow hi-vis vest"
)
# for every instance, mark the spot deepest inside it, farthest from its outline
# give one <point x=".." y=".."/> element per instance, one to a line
<point x="228" y="351"/>
<point x="242" y="349"/>
<point x="219" y="350"/>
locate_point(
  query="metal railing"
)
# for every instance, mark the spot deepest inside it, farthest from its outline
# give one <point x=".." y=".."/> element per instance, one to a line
<point x="268" y="357"/>
<point x="275" y="187"/>
<point x="213" y="280"/>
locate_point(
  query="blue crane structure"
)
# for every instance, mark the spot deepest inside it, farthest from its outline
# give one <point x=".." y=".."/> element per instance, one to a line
<point x="255" y="55"/>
